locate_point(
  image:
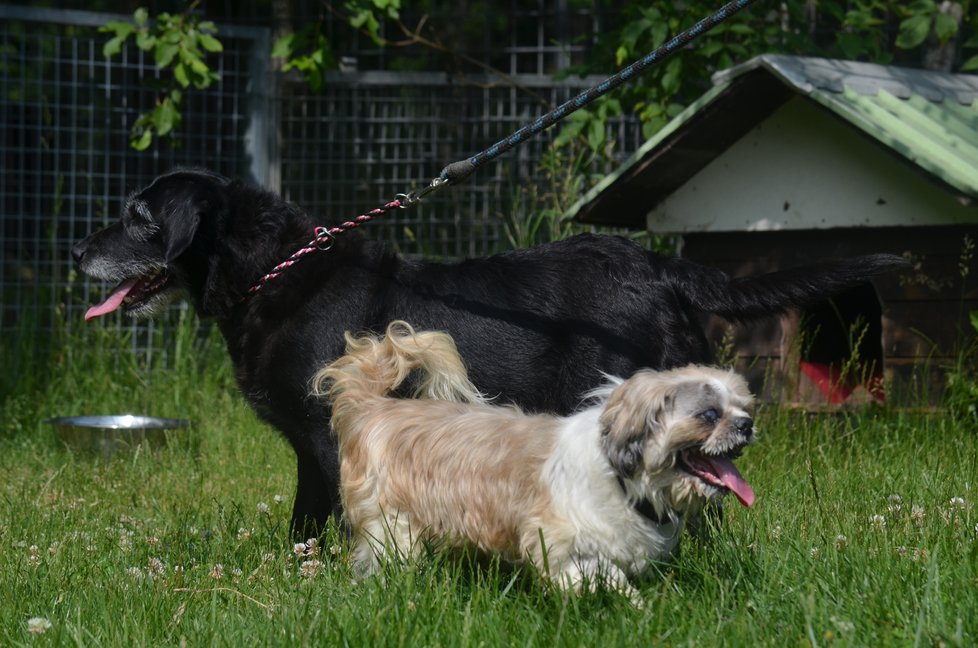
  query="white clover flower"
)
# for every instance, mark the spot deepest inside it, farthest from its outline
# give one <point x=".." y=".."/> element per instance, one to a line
<point x="278" y="499"/>
<point x="38" y="625"/>
<point x="155" y="567"/>
<point x="841" y="542"/>
<point x="917" y="515"/>
<point x="878" y="521"/>
<point x="299" y="548"/>
<point x="335" y="549"/>
<point x="959" y="503"/>
<point x="776" y="532"/>
<point x="310" y="568"/>
<point x="814" y="552"/>
<point x="135" y="572"/>
<point x="894" y="503"/>
<point x="245" y="534"/>
<point x="217" y="572"/>
<point x="33" y="556"/>
<point x="262" y="507"/>
<point x="843" y="626"/>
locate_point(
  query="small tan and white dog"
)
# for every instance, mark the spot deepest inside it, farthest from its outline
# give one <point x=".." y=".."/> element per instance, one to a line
<point x="592" y="497"/>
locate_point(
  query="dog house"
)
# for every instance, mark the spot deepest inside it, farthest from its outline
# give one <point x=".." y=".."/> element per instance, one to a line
<point x="791" y="160"/>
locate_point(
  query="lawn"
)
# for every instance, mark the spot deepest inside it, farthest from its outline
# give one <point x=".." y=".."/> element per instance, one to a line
<point x="865" y="533"/>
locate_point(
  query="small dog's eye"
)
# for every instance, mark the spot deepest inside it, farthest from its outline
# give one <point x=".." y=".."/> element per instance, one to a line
<point x="711" y="416"/>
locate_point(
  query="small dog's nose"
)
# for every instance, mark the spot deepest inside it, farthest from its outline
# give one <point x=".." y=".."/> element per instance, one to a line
<point x="744" y="424"/>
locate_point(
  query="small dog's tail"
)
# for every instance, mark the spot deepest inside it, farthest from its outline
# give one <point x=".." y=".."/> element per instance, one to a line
<point x="376" y="366"/>
<point x="713" y="291"/>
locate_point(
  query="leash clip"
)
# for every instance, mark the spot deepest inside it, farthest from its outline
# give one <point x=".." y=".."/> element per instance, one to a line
<point x="410" y="199"/>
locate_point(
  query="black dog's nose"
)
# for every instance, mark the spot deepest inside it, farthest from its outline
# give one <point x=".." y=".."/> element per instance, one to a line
<point x="78" y="251"/>
<point x="744" y="424"/>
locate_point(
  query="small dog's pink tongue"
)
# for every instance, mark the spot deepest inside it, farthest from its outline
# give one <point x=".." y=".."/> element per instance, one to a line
<point x="727" y="472"/>
<point x="112" y="303"/>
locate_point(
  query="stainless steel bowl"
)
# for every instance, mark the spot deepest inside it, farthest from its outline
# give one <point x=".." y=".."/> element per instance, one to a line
<point x="107" y="435"/>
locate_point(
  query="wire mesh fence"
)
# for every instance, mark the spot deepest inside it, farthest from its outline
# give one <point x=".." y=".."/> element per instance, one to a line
<point x="66" y="165"/>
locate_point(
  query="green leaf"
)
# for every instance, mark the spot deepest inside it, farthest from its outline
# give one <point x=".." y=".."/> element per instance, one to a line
<point x="671" y="78"/>
<point x="913" y="31"/>
<point x="145" y="41"/>
<point x="167" y="116"/>
<point x="118" y="27"/>
<point x="973" y="317"/>
<point x="710" y="48"/>
<point x="852" y="45"/>
<point x="141" y="16"/>
<point x="742" y="29"/>
<point x="180" y="74"/>
<point x="113" y="46"/>
<point x="283" y="47"/>
<point x="945" y="27"/>
<point x="621" y="55"/>
<point x="595" y="135"/>
<point x="142" y="142"/>
<point x="659" y="34"/>
<point x="970" y="64"/>
<point x="165" y="53"/>
<point x="210" y="43"/>
<point x="198" y="66"/>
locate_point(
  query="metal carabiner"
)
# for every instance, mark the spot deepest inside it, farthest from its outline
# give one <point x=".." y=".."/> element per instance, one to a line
<point x="410" y="199"/>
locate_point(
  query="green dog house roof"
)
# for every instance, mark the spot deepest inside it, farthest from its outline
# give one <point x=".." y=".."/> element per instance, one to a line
<point x="785" y="142"/>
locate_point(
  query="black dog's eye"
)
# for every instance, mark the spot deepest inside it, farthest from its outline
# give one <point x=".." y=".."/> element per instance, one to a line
<point x="711" y="416"/>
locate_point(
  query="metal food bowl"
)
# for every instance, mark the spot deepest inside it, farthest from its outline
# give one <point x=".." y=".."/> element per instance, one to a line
<point x="106" y="435"/>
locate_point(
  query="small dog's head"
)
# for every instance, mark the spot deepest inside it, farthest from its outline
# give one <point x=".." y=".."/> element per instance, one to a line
<point x="671" y="435"/>
<point x="157" y="226"/>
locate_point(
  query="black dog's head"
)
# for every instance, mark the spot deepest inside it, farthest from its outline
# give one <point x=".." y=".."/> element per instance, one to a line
<point x="141" y="250"/>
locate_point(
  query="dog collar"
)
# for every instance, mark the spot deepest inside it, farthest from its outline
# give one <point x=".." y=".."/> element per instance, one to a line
<point x="643" y="506"/>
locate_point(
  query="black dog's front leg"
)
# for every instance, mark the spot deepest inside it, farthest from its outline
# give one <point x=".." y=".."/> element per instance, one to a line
<point x="316" y="499"/>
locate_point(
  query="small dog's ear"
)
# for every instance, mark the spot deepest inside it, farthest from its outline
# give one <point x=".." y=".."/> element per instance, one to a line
<point x="633" y="412"/>
<point x="181" y="226"/>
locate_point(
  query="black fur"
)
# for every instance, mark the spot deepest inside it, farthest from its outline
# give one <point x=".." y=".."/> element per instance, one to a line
<point x="535" y="326"/>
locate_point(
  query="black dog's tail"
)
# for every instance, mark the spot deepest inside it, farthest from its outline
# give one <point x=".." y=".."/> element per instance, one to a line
<point x="713" y="291"/>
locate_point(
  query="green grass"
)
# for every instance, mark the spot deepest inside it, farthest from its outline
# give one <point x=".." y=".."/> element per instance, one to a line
<point x="125" y="551"/>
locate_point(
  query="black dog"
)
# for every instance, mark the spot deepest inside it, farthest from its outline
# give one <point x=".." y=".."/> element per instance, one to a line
<point x="535" y="326"/>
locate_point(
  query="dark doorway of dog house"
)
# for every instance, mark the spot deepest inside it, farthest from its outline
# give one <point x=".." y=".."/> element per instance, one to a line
<point x="840" y="349"/>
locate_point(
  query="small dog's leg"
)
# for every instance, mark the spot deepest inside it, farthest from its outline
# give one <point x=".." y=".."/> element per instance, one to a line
<point x="588" y="574"/>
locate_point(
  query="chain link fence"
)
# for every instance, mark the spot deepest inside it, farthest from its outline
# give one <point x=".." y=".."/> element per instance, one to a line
<point x="66" y="165"/>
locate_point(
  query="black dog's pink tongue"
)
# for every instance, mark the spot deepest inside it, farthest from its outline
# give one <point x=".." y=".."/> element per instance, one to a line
<point x="112" y="303"/>
<point x="727" y="472"/>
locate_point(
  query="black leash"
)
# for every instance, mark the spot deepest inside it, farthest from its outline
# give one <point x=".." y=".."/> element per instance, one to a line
<point x="456" y="172"/>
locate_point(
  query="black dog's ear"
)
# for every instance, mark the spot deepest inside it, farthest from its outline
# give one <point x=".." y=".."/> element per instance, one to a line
<point x="181" y="226"/>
